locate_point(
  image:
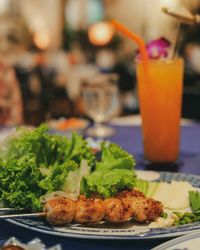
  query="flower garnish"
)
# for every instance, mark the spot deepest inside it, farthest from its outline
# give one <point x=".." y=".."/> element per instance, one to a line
<point x="157" y="48"/>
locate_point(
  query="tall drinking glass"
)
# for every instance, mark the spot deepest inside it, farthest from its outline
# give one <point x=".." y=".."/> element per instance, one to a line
<point x="101" y="102"/>
<point x="160" y="100"/>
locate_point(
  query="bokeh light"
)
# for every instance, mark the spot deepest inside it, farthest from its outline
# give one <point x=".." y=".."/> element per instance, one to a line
<point x="42" y="39"/>
<point x="100" y="33"/>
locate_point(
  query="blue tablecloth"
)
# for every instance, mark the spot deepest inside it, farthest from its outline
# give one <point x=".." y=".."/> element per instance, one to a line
<point x="130" y="139"/>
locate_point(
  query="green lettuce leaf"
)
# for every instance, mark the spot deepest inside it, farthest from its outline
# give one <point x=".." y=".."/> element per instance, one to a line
<point x="57" y="176"/>
<point x="108" y="183"/>
<point x="19" y="180"/>
<point x="48" y="149"/>
<point x="78" y="149"/>
<point x="114" y="157"/>
<point x="113" y="173"/>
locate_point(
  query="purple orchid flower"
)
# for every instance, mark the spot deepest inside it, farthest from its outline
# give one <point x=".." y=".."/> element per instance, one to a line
<point x="157" y="48"/>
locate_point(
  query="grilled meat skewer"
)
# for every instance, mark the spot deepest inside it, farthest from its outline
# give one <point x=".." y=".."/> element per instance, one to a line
<point x="123" y="207"/>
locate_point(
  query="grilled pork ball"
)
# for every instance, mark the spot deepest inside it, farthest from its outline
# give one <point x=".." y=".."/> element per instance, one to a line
<point x="60" y="210"/>
<point x="143" y="209"/>
<point x="89" y="210"/>
<point x="116" y="210"/>
<point x="132" y="204"/>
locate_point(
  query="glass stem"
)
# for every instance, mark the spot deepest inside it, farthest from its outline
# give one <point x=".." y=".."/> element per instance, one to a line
<point x="98" y="125"/>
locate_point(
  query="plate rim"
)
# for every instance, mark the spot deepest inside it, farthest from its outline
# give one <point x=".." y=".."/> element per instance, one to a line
<point x="108" y="237"/>
<point x="139" y="236"/>
<point x="170" y="243"/>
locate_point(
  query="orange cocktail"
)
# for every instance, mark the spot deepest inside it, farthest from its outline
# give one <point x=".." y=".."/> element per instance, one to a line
<point x="160" y="95"/>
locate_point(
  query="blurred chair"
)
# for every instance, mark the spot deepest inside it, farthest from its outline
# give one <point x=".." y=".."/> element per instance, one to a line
<point x="60" y="104"/>
<point x="11" y="111"/>
<point x="31" y="94"/>
<point x="55" y="100"/>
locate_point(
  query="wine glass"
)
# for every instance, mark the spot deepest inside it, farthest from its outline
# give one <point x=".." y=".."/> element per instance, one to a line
<point x="101" y="102"/>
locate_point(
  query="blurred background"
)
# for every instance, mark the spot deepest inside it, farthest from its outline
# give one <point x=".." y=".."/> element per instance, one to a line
<point x="48" y="48"/>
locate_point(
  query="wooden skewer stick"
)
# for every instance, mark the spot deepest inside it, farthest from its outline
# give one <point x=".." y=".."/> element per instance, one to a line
<point x="23" y="215"/>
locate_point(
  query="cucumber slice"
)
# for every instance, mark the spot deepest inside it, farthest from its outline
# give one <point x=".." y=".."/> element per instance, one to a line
<point x="145" y="187"/>
<point x="178" y="197"/>
<point x="161" y="192"/>
<point x="152" y="188"/>
<point x="174" y="195"/>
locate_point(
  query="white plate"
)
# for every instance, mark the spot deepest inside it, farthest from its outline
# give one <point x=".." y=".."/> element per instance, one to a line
<point x="189" y="242"/>
<point x="128" y="230"/>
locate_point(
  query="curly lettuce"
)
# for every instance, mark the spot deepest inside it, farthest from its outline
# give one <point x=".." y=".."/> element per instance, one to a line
<point x="107" y="183"/>
<point x="114" y="172"/>
<point x="33" y="163"/>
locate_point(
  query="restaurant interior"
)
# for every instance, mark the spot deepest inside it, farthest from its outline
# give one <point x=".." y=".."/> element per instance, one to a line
<point x="125" y="71"/>
<point x="53" y="52"/>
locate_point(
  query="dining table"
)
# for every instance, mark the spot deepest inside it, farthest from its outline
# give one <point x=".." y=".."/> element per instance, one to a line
<point x="129" y="137"/>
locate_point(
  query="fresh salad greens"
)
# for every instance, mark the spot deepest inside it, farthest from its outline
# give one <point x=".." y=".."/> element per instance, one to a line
<point x="35" y="163"/>
<point x="114" y="172"/>
<point x="107" y="183"/>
